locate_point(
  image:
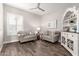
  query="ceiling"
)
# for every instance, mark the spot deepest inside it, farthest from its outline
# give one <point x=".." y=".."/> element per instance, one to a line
<point x="48" y="7"/>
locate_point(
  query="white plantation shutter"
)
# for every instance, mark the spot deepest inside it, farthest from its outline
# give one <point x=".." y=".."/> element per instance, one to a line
<point x="20" y="23"/>
<point x="14" y="23"/>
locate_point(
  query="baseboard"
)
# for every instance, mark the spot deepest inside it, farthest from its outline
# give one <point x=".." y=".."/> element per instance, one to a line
<point x="7" y="42"/>
<point x="10" y="41"/>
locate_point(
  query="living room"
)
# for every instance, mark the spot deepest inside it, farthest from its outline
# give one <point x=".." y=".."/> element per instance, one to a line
<point x="37" y="29"/>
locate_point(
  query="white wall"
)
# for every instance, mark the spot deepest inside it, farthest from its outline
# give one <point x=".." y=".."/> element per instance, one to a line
<point x="30" y="22"/>
<point x="50" y="17"/>
<point x="1" y="26"/>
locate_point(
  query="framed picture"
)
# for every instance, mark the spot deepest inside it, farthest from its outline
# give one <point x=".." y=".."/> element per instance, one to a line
<point x="52" y="24"/>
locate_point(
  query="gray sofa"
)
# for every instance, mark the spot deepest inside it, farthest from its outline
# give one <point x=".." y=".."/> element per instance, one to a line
<point x="50" y="36"/>
<point x="26" y="36"/>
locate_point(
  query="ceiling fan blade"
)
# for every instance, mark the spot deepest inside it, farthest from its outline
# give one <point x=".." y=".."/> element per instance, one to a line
<point x="38" y="5"/>
<point x="41" y="9"/>
<point x="33" y="8"/>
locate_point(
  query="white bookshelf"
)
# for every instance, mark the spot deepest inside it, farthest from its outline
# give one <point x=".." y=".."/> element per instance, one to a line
<point x="70" y="34"/>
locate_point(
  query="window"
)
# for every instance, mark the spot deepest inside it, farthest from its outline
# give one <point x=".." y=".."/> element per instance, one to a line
<point x="14" y="23"/>
<point x="19" y="23"/>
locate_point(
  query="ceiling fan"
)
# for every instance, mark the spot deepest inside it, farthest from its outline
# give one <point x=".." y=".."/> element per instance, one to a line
<point x="38" y="7"/>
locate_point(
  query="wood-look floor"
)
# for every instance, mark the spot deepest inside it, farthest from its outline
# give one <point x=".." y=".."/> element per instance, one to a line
<point x="34" y="48"/>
